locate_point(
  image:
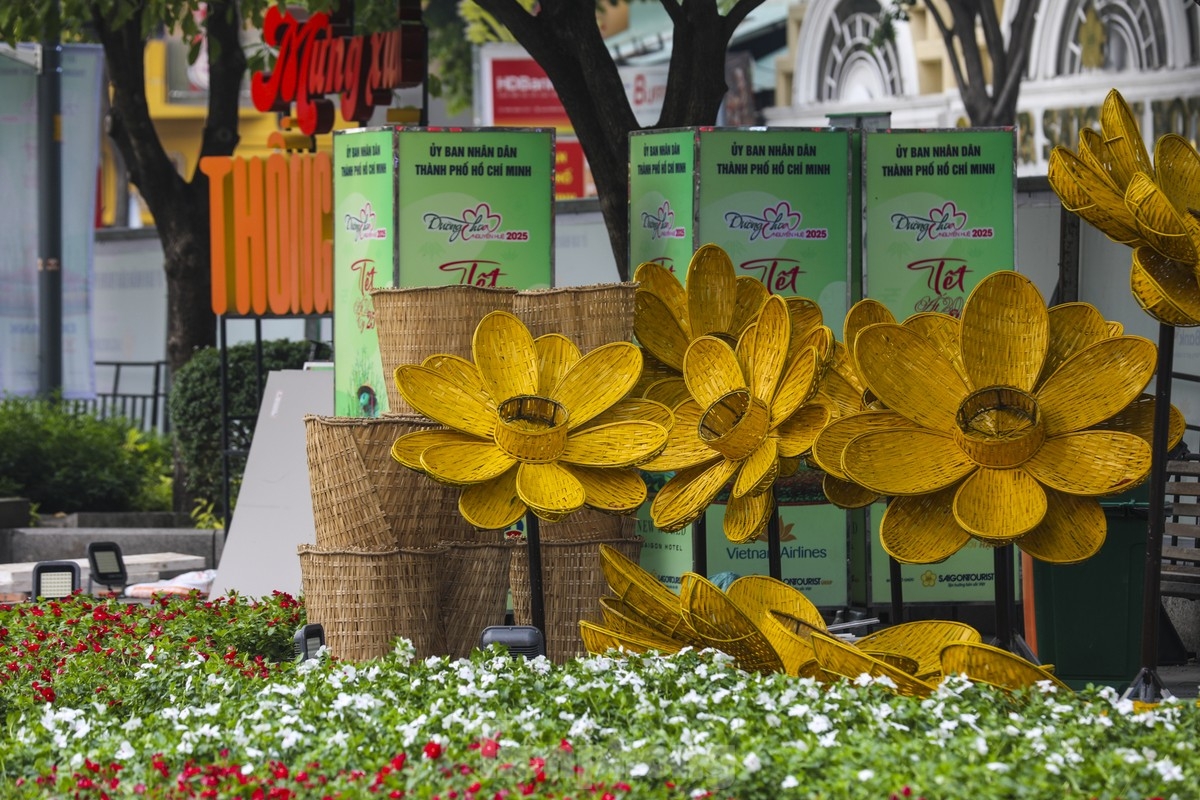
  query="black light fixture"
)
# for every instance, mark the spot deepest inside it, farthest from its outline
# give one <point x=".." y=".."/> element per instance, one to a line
<point x="106" y="566"/>
<point x="519" y="640"/>
<point x="308" y="640"/>
<point x="54" y="579"/>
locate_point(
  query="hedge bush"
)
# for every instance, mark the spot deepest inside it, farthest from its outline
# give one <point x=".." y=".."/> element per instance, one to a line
<point x="195" y="406"/>
<point x="64" y="461"/>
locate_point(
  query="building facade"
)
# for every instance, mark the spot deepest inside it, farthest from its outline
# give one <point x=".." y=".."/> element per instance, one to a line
<point x="1147" y="49"/>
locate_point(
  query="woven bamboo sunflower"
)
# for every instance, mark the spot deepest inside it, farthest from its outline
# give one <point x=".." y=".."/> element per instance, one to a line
<point x="533" y="425"/>
<point x="996" y="456"/>
<point x="748" y="420"/>
<point x="1152" y="207"/>
<point x="669" y="316"/>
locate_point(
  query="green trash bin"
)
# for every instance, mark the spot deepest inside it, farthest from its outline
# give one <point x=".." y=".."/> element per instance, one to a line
<point x="1089" y="615"/>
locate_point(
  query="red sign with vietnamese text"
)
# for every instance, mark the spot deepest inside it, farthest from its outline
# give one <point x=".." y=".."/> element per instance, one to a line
<point x="313" y="61"/>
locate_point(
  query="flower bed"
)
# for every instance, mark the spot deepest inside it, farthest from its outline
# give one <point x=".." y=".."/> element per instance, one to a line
<point x="191" y="698"/>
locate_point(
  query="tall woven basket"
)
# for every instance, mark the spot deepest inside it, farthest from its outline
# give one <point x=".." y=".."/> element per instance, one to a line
<point x="572" y="583"/>
<point x="354" y="479"/>
<point x="589" y="316"/>
<point x="347" y="512"/>
<point x="474" y="591"/>
<point x="416" y="323"/>
<point x="364" y="599"/>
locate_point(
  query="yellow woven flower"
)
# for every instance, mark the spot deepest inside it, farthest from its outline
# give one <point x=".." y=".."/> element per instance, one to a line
<point x="533" y="425"/>
<point x="1153" y="207"/>
<point x="748" y="418"/>
<point x="669" y="316"/>
<point x="1011" y="452"/>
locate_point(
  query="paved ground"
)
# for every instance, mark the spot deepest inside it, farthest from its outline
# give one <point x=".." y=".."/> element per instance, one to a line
<point x="1183" y="681"/>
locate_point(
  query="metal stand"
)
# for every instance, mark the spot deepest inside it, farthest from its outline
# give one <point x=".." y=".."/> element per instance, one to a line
<point x="1005" y="584"/>
<point x="1147" y="686"/>
<point x="537" y="600"/>
<point x="896" y="579"/>
<point x="774" y="554"/>
<point x="700" y="545"/>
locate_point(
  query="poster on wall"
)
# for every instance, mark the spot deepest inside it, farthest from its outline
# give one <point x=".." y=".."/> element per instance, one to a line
<point x="940" y="215"/>
<point x="476" y="207"/>
<point x="364" y="242"/>
<point x="662" y="199"/>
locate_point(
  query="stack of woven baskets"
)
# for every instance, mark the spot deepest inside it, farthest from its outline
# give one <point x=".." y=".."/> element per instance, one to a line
<point x="393" y="556"/>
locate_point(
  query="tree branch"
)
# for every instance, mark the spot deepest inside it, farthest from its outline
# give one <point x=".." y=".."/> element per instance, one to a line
<point x="226" y="71"/>
<point x="948" y="42"/>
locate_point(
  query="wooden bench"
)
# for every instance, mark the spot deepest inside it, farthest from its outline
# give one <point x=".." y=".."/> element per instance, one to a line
<point x="140" y="568"/>
<point x="1181" y="534"/>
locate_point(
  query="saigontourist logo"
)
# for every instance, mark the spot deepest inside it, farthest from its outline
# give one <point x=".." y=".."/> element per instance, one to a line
<point x="774" y="222"/>
<point x="947" y="222"/>
<point x="313" y="61"/>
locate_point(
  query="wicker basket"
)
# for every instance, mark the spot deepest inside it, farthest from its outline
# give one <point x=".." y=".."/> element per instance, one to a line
<point x="474" y="591"/>
<point x="722" y="625"/>
<point x="656" y="606"/>
<point x="354" y="479"/>
<point x="364" y="599"/>
<point x="347" y="512"/>
<point x="984" y="663"/>
<point x="921" y="640"/>
<point x="416" y="323"/>
<point x="589" y="525"/>
<point x="589" y="316"/>
<point x="599" y="640"/>
<point x="839" y="658"/>
<point x="572" y="585"/>
<point x="758" y="596"/>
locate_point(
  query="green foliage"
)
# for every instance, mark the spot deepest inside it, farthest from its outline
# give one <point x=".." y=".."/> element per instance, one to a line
<point x="68" y="462"/>
<point x="204" y="514"/>
<point x="195" y="406"/>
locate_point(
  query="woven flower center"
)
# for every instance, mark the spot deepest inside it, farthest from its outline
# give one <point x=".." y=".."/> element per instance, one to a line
<point x="1000" y="426"/>
<point x="735" y="424"/>
<point x="532" y="428"/>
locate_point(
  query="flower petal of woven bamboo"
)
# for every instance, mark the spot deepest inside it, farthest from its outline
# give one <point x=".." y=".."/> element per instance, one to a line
<point x="528" y="432"/>
<point x="1009" y="438"/>
<point x="752" y="407"/>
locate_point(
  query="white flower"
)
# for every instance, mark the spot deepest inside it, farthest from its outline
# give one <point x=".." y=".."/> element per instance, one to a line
<point x="789" y="782"/>
<point x="997" y="766"/>
<point x="828" y="740"/>
<point x="752" y="763"/>
<point x="1168" y="770"/>
<point x="125" y="751"/>
<point x="819" y="724"/>
<point x="866" y="774"/>
<point x="639" y="770"/>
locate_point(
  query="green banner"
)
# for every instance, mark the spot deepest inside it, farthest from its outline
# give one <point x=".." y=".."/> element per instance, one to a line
<point x="364" y="241"/>
<point x="476" y="207"/>
<point x="940" y="215"/>
<point x="966" y="576"/>
<point x="777" y="201"/>
<point x="662" y="199"/>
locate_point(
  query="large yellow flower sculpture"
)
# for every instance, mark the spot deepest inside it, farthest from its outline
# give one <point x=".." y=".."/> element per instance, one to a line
<point x="1153" y="207"/>
<point x="1006" y="445"/>
<point x="748" y="418"/>
<point x="532" y="425"/>
<point x="669" y="316"/>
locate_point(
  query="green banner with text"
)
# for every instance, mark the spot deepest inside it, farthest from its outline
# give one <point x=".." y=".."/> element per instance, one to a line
<point x="940" y="215"/>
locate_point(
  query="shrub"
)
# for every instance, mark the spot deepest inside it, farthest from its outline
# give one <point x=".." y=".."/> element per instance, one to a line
<point x="64" y="461"/>
<point x="195" y="406"/>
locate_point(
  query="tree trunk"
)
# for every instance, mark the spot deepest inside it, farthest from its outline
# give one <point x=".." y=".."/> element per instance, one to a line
<point x="566" y="42"/>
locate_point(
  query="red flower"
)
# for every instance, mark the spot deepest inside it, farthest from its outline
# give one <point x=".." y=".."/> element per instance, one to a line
<point x="565" y="746"/>
<point x="433" y="750"/>
<point x="398" y="761"/>
<point x="490" y="748"/>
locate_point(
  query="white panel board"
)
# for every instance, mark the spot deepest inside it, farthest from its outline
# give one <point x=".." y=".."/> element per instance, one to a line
<point x="274" y="508"/>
